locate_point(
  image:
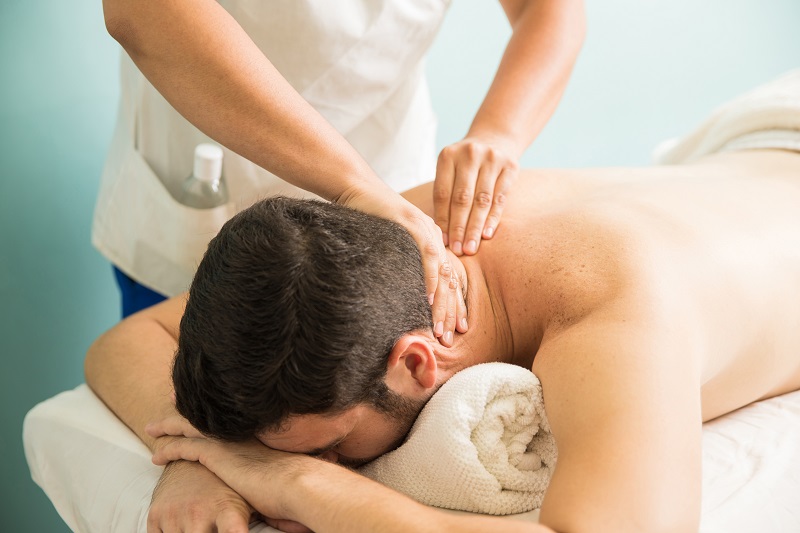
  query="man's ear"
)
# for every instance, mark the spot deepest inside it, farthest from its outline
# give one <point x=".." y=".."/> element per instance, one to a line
<point x="412" y="365"/>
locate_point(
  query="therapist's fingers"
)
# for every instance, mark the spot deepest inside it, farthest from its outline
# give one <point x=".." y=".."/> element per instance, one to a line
<point x="481" y="204"/>
<point x="504" y="182"/>
<point x="433" y="256"/>
<point x="450" y="317"/>
<point x="461" y="311"/>
<point x="438" y="272"/>
<point x="173" y="425"/>
<point x="461" y="201"/>
<point x="442" y="303"/>
<point x="455" y="317"/>
<point x="473" y="179"/>
<point x="442" y="191"/>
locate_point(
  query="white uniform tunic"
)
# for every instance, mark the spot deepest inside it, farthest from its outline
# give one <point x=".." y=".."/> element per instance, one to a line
<point x="358" y="62"/>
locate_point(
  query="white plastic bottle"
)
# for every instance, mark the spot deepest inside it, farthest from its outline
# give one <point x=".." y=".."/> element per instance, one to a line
<point x="205" y="188"/>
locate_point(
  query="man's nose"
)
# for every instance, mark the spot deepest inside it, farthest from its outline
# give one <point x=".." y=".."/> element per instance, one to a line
<point x="330" y="456"/>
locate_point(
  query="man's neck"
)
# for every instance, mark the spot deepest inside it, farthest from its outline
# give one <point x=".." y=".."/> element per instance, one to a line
<point x="491" y="337"/>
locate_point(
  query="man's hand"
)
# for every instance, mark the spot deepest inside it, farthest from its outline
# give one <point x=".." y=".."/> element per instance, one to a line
<point x="257" y="472"/>
<point x="189" y="497"/>
<point x="227" y="501"/>
<point x="473" y="179"/>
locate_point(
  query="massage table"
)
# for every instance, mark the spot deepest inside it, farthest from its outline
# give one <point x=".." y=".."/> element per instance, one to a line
<point x="100" y="479"/>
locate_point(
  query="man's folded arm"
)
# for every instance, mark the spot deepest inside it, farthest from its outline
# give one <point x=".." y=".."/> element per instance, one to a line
<point x="129" y="368"/>
<point x="330" y="498"/>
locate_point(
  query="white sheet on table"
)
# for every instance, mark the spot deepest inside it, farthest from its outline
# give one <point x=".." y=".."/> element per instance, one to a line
<point x="99" y="476"/>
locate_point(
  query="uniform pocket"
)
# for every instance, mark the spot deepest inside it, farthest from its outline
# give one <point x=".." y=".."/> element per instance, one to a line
<point x="161" y="239"/>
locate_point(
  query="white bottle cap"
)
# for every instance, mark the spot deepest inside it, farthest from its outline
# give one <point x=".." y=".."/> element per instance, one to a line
<point x="208" y="162"/>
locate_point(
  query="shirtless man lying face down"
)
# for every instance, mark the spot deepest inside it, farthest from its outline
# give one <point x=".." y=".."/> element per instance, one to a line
<point x="646" y="301"/>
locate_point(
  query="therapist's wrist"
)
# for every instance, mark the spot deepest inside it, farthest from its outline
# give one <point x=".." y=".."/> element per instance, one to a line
<point x="358" y="181"/>
<point x="375" y="198"/>
<point x="502" y="139"/>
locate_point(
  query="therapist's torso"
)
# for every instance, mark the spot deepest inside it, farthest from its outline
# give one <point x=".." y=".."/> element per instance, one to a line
<point x="358" y="62"/>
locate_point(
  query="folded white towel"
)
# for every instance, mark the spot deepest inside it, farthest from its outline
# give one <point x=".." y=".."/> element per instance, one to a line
<point x="766" y="117"/>
<point x="481" y="444"/>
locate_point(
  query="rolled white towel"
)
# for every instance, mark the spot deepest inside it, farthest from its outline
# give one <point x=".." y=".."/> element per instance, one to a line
<point x="481" y="444"/>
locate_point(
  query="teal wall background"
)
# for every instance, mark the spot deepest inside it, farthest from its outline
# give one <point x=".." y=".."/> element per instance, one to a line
<point x="649" y="70"/>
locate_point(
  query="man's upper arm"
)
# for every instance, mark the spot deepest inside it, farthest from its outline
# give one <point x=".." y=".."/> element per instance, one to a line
<point x="129" y="366"/>
<point x="167" y="314"/>
<point x="623" y="401"/>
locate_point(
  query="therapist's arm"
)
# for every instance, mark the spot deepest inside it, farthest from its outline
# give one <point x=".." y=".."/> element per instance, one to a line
<point x="209" y="70"/>
<point x="475" y="175"/>
<point x="130" y="369"/>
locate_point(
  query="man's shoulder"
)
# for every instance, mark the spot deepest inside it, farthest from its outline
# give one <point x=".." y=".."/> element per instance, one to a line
<point x="571" y="262"/>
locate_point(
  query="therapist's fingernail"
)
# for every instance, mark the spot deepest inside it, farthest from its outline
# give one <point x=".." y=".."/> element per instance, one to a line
<point x="456" y="247"/>
<point x="488" y="232"/>
<point x="438" y="329"/>
<point x="464" y="324"/>
<point x="471" y="247"/>
<point x="448" y="337"/>
<point x="430" y="299"/>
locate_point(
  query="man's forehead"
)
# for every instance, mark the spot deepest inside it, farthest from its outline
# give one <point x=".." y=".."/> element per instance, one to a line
<point x="305" y="433"/>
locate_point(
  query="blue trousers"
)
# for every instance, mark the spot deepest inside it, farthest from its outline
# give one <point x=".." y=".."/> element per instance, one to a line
<point x="135" y="296"/>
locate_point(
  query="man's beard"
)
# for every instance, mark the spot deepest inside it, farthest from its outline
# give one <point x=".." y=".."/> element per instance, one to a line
<point x="402" y="410"/>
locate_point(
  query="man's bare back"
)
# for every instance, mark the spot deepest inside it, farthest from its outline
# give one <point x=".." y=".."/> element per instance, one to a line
<point x="645" y="300"/>
<point x="718" y="242"/>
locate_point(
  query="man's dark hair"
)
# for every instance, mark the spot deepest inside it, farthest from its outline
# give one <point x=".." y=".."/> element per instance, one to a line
<point x="294" y="310"/>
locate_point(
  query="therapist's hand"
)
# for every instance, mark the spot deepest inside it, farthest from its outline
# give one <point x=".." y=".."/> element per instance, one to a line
<point x="189" y="497"/>
<point x="442" y="285"/>
<point x="473" y="179"/>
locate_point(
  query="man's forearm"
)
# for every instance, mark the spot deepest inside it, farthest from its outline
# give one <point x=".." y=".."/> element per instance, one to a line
<point x="206" y="66"/>
<point x="329" y="498"/>
<point x="536" y="65"/>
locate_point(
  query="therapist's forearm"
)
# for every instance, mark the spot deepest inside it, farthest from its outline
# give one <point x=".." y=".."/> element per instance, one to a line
<point x="209" y="70"/>
<point x="533" y="73"/>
